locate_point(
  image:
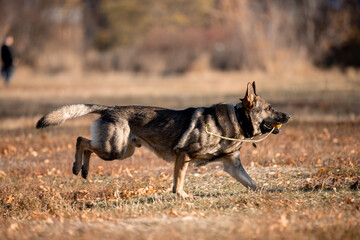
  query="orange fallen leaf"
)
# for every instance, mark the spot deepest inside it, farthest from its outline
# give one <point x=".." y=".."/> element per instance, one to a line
<point x="80" y="194"/>
<point x="219" y="174"/>
<point x="10" y="199"/>
<point x="100" y="170"/>
<point x="173" y="212"/>
<point x="323" y="171"/>
<point x="349" y="200"/>
<point x="8" y="149"/>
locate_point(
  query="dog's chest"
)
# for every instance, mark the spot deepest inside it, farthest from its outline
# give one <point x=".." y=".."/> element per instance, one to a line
<point x="212" y="150"/>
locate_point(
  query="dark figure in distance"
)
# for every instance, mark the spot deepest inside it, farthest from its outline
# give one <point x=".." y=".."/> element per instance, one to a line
<point x="7" y="68"/>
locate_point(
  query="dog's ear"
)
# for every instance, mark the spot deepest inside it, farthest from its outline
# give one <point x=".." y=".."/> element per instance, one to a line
<point x="249" y="99"/>
<point x="254" y="87"/>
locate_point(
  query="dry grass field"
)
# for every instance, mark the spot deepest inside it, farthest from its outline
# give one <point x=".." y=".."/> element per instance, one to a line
<point x="310" y="173"/>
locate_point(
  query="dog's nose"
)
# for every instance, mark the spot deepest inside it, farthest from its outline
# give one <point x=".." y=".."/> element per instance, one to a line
<point x="287" y="116"/>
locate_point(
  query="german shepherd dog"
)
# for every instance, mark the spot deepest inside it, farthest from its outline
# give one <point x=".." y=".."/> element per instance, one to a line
<point x="178" y="136"/>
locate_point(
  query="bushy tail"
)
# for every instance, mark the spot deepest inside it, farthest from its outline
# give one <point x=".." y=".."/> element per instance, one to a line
<point x="64" y="113"/>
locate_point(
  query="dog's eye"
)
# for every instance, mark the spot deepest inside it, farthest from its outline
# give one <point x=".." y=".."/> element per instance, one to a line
<point x="269" y="108"/>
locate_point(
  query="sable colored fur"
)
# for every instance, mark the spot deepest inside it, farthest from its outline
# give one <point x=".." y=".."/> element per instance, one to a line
<point x="174" y="135"/>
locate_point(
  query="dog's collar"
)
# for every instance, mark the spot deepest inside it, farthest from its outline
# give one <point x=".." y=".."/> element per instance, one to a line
<point x="244" y="120"/>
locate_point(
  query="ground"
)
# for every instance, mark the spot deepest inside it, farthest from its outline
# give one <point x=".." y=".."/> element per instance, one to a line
<point x="309" y="173"/>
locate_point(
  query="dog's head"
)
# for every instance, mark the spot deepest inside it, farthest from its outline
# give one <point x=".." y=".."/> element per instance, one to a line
<point x="262" y="115"/>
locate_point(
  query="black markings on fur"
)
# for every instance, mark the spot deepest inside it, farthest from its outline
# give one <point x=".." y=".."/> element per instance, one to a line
<point x="245" y="121"/>
<point x="42" y="123"/>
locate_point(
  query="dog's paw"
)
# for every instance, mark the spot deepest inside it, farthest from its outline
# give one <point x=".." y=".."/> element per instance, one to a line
<point x="184" y="195"/>
<point x="84" y="172"/>
<point x="75" y="170"/>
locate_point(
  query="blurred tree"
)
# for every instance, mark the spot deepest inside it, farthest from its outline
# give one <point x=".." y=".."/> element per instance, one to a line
<point x="122" y="22"/>
<point x="39" y="24"/>
<point x="236" y="34"/>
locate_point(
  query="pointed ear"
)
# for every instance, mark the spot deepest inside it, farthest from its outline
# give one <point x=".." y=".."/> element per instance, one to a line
<point x="254" y="87"/>
<point x="249" y="99"/>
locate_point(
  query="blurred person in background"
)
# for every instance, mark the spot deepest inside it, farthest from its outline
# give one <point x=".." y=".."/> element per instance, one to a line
<point x="7" y="58"/>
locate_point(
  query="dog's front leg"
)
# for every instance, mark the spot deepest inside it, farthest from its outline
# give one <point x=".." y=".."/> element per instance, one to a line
<point x="233" y="166"/>
<point x="181" y="165"/>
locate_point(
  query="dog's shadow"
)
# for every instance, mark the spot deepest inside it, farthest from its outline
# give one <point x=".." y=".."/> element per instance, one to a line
<point x="270" y="190"/>
<point x="301" y="189"/>
<point x="172" y="197"/>
<point x="210" y="195"/>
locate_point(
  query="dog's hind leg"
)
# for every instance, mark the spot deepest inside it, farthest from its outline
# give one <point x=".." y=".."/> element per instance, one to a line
<point x="82" y="145"/>
<point x="78" y="157"/>
<point x="233" y="166"/>
<point x="86" y="163"/>
<point x="181" y="164"/>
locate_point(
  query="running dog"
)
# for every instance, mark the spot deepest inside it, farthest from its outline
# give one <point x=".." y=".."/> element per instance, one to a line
<point x="178" y="136"/>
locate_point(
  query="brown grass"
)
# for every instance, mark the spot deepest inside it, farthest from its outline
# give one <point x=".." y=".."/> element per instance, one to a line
<point x="315" y="163"/>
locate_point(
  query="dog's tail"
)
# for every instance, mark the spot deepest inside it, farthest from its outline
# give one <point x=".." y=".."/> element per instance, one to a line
<point x="67" y="112"/>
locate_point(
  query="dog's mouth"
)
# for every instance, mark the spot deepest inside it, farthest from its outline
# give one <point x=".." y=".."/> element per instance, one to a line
<point x="268" y="126"/>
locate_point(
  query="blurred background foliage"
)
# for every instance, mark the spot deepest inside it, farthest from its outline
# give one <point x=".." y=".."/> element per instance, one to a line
<point x="176" y="36"/>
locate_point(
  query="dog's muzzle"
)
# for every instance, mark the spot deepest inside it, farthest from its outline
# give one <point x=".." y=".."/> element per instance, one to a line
<point x="268" y="124"/>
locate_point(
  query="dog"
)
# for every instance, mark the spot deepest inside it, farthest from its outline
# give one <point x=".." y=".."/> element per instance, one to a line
<point x="178" y="136"/>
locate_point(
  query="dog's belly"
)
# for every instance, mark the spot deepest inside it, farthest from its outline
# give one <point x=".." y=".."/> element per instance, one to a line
<point x="210" y="151"/>
<point x="161" y="151"/>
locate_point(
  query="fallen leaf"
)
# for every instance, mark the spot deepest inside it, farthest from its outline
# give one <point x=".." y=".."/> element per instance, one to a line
<point x="80" y="194"/>
<point x="128" y="172"/>
<point x="42" y="188"/>
<point x="323" y="171"/>
<point x="2" y="174"/>
<point x="173" y="212"/>
<point x="349" y="200"/>
<point x="10" y="199"/>
<point x="8" y="149"/>
<point x="100" y="170"/>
